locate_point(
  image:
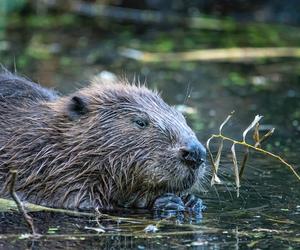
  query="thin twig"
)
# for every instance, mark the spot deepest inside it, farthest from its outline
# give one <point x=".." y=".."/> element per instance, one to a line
<point x="12" y="191"/>
<point x="258" y="150"/>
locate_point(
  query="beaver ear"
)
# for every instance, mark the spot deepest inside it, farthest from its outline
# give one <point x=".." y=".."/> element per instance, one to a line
<point x="78" y="106"/>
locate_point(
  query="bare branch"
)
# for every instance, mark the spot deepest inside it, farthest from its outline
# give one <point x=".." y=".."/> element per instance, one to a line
<point x="256" y="147"/>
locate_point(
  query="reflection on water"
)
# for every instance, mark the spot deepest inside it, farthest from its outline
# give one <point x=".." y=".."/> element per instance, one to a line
<point x="267" y="213"/>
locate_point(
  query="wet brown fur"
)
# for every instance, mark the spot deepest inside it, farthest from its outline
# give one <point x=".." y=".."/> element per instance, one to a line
<point x="96" y="158"/>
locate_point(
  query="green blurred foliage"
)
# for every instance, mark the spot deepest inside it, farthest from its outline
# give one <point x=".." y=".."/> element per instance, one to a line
<point x="7" y="6"/>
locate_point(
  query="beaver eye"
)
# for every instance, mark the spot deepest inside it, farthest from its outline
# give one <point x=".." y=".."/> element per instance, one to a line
<point x="141" y="123"/>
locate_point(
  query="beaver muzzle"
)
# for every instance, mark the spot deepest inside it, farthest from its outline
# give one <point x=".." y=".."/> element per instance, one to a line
<point x="193" y="154"/>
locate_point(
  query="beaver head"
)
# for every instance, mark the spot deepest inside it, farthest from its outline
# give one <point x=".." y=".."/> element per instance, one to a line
<point x="105" y="145"/>
<point x="136" y="142"/>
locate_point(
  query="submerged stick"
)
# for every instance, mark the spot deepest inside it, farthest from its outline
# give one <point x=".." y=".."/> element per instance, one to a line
<point x="17" y="200"/>
<point x="225" y="54"/>
<point x="98" y="215"/>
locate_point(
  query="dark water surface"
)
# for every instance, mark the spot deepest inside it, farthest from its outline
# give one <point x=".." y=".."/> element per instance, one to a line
<point x="64" y="52"/>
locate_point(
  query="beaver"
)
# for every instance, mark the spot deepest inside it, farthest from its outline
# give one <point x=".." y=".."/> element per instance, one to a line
<point x="107" y="145"/>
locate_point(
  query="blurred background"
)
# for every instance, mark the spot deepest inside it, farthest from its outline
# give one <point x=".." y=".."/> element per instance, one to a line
<point x="206" y="57"/>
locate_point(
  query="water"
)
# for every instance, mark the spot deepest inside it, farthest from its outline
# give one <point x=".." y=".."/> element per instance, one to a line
<point x="65" y="51"/>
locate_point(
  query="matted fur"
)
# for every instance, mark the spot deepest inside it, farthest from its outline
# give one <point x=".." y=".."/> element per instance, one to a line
<point x="96" y="159"/>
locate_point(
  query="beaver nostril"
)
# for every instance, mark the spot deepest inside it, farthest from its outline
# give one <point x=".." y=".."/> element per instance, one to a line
<point x="193" y="154"/>
<point x="184" y="153"/>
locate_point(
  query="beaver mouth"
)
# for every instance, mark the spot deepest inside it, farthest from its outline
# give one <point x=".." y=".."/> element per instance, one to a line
<point x="174" y="185"/>
<point x="190" y="178"/>
<point x="182" y="183"/>
<point x="178" y="178"/>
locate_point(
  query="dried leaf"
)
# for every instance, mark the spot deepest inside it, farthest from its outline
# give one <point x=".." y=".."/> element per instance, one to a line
<point x="215" y="180"/>
<point x="243" y="165"/>
<point x="267" y="135"/>
<point x="211" y="158"/>
<point x="253" y="123"/>
<point x="218" y="157"/>
<point x="236" y="169"/>
<point x="256" y="135"/>
<point x="226" y="120"/>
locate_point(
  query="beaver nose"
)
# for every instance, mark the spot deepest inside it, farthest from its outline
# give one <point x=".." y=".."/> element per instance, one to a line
<point x="193" y="154"/>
